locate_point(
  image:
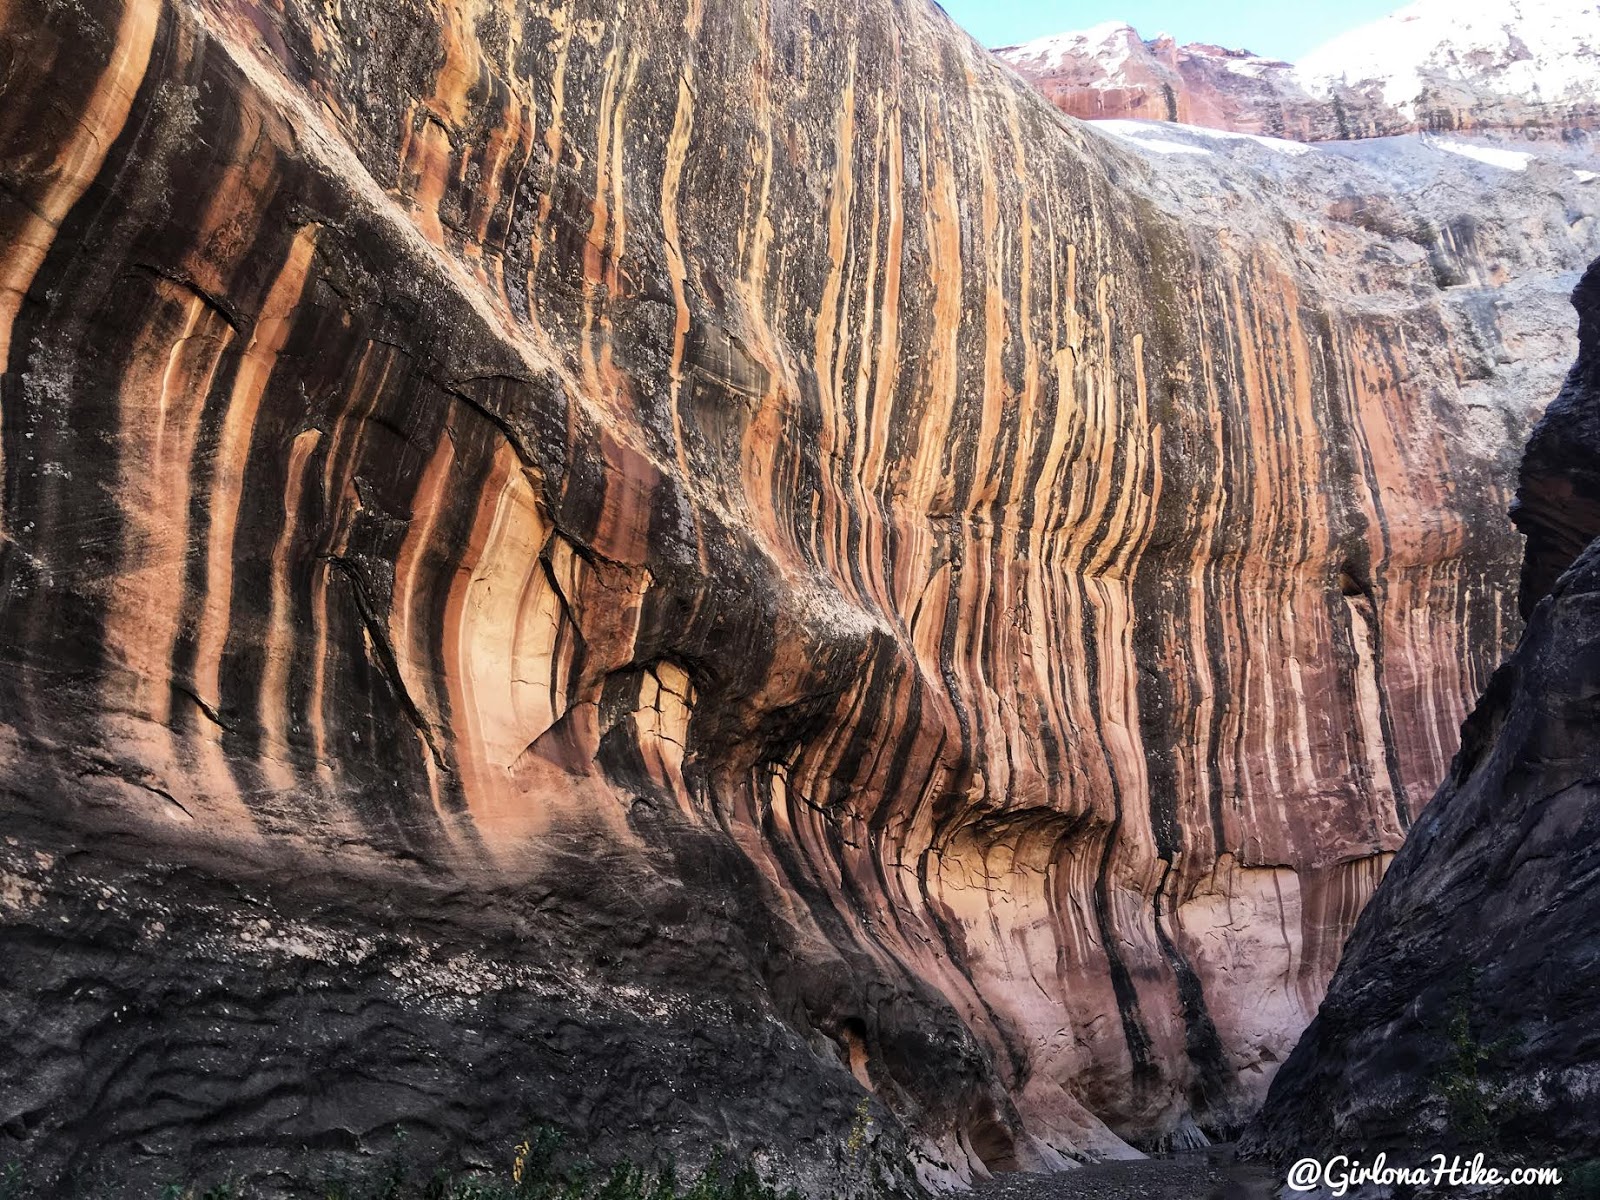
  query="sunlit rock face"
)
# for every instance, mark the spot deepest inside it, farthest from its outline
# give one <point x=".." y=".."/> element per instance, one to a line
<point x="1111" y="72"/>
<point x="1463" y="1013"/>
<point x="1527" y="66"/>
<point x="663" y="569"/>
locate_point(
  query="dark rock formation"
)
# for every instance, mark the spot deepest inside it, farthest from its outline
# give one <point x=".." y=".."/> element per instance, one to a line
<point x="172" y="1020"/>
<point x="670" y="568"/>
<point x="1465" y="1014"/>
<point x="1558" y="502"/>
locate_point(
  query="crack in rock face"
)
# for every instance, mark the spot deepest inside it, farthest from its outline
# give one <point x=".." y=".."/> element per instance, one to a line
<point x="674" y="572"/>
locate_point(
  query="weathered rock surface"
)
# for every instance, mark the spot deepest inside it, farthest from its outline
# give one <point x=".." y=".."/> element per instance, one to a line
<point x="664" y="569"/>
<point x="1558" y="500"/>
<point x="1109" y="72"/>
<point x="1528" y="66"/>
<point x="1463" y="1014"/>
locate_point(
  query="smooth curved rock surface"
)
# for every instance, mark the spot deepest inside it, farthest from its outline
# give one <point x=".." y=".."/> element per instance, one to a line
<point x="730" y="529"/>
<point x="1463" y="1014"/>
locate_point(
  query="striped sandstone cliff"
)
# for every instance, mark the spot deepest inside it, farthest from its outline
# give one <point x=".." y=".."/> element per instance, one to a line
<point x="668" y="568"/>
<point x="1462" y="1017"/>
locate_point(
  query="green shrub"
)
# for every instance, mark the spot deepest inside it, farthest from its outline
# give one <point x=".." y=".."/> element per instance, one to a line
<point x="1477" y="1104"/>
<point x="1580" y="1181"/>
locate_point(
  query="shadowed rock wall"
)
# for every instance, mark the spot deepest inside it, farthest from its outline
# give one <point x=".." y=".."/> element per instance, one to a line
<point x="1558" y="497"/>
<point x="721" y="526"/>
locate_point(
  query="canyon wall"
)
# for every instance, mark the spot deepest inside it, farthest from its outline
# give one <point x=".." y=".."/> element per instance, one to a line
<point x="1528" y="67"/>
<point x="1110" y="72"/>
<point x="677" y="568"/>
<point x="1462" y="1017"/>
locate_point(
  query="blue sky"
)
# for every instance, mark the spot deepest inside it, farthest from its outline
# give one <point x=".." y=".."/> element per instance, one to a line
<point x="1277" y="28"/>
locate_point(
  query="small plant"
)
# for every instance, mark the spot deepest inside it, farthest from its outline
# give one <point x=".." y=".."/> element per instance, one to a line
<point x="1580" y="1181"/>
<point x="523" y="1148"/>
<point x="1341" y="119"/>
<point x="1475" y="1105"/>
<point x="860" y="1129"/>
<point x="228" y="1189"/>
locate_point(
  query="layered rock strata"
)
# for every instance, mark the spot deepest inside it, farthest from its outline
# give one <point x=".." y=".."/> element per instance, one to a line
<point x="1463" y="1014"/>
<point x="1531" y="67"/>
<point x="1110" y="72"/>
<point x="674" y="568"/>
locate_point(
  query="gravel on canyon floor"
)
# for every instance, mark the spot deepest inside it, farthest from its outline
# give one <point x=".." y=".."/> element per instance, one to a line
<point x="1185" y="1177"/>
